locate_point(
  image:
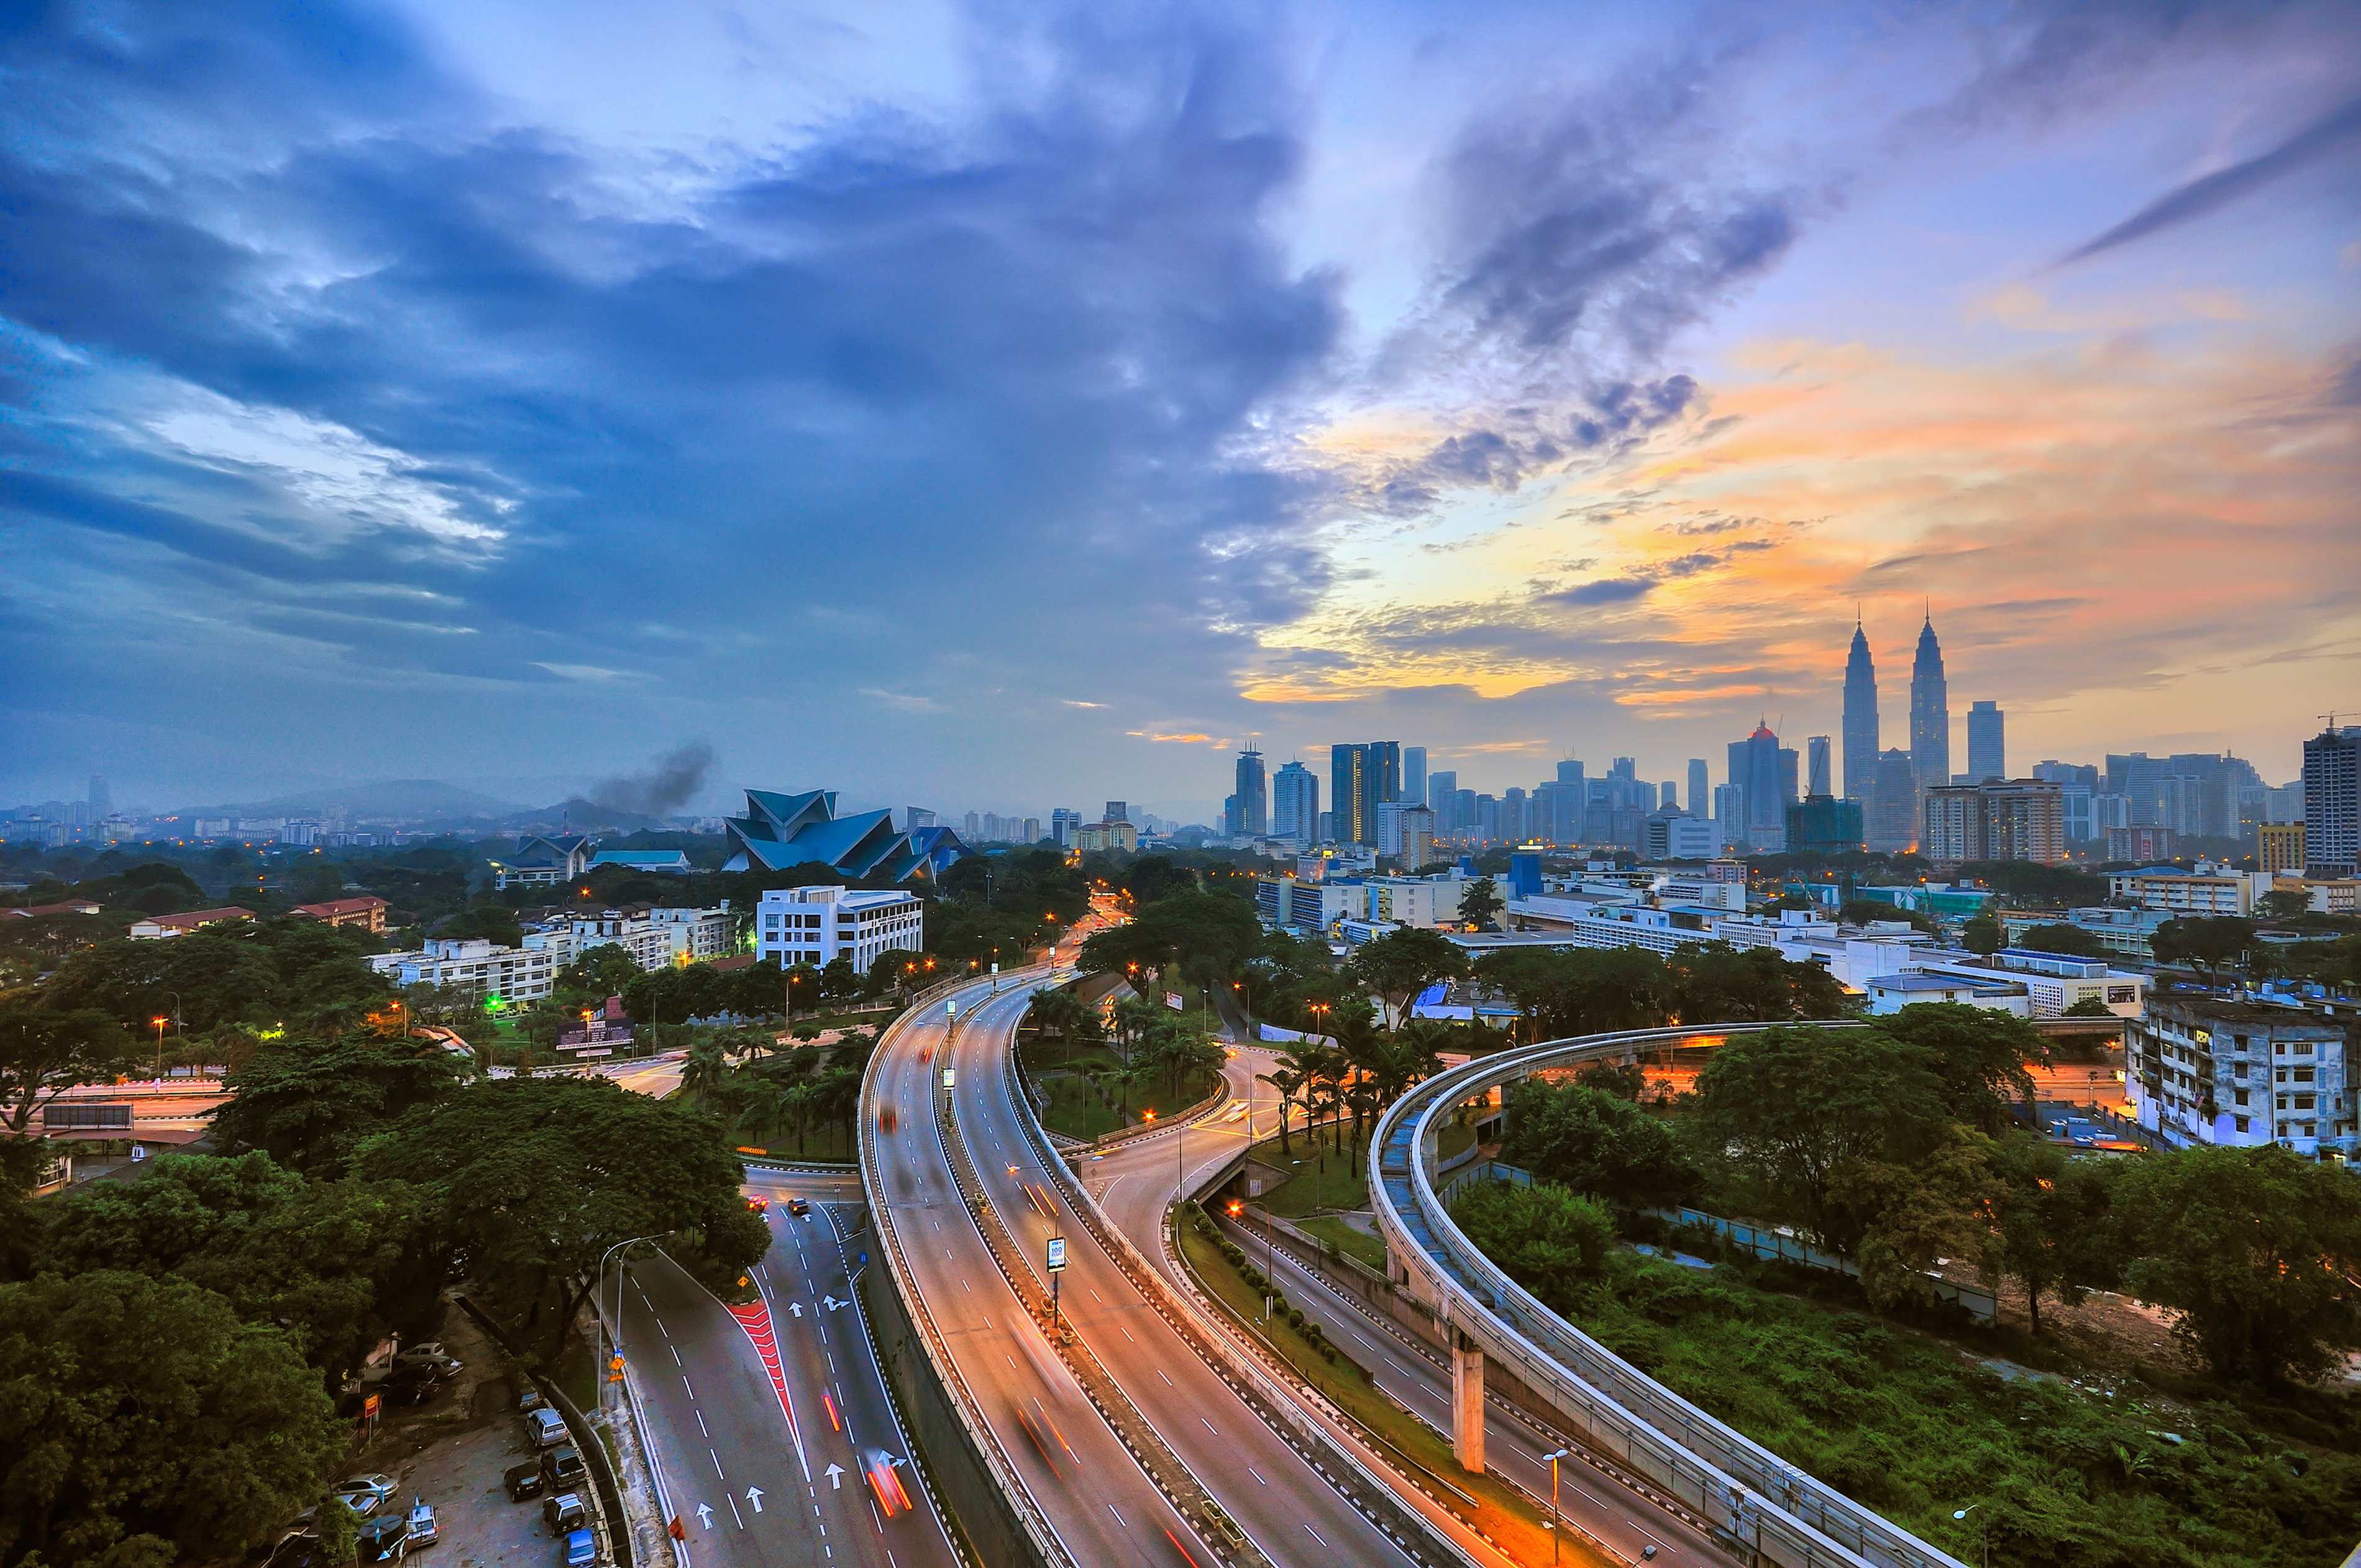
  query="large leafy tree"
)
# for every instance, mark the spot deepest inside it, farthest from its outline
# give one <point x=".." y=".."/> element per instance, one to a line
<point x="1401" y="964"/>
<point x="1209" y="933"/>
<point x="216" y="979"/>
<point x="144" y="1424"/>
<point x="2254" y="1251"/>
<point x="2050" y="1216"/>
<point x="336" y="1265"/>
<point x="1584" y="991"/>
<point x="1713" y="982"/>
<point x="535" y="1178"/>
<point x="307" y="1103"/>
<point x="1984" y="1058"/>
<point x="44" y="1051"/>
<point x="1801" y="1103"/>
<point x="1594" y="1143"/>
<point x="1480" y="905"/>
<point x="2210" y="943"/>
<point x="1547" y="1239"/>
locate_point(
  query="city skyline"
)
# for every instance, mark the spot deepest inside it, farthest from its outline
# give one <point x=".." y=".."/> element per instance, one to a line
<point x="1577" y="405"/>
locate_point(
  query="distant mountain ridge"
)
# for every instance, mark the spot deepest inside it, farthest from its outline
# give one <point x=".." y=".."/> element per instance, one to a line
<point x="422" y="799"/>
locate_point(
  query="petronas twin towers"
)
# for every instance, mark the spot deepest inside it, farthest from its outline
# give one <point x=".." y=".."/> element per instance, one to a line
<point x="1890" y="784"/>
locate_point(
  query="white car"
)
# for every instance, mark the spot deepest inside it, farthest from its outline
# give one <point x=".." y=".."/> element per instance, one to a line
<point x="363" y="1494"/>
<point x="422" y="1526"/>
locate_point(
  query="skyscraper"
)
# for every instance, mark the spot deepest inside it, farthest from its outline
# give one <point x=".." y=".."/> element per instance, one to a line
<point x="1254" y="796"/>
<point x="1442" y="797"/>
<point x="1859" y="717"/>
<point x="1360" y="776"/>
<point x="1295" y="804"/>
<point x="2332" y="802"/>
<point x="1414" y="774"/>
<point x="1930" y="713"/>
<point x="1117" y="811"/>
<point x="1893" y="819"/>
<point x="101" y="802"/>
<point x="1987" y="742"/>
<point x="1755" y="772"/>
<point x="1700" y="790"/>
<point x="1817" y="771"/>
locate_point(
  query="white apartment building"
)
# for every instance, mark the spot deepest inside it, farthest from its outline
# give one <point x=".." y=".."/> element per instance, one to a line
<point x="2209" y="1071"/>
<point x="817" y="925"/>
<point x="2053" y="981"/>
<point x="2205" y="890"/>
<point x="481" y="968"/>
<point x="1413" y="901"/>
<point x="658" y="937"/>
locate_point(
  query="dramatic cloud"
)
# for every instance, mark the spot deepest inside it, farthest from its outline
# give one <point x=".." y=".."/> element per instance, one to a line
<point x="2333" y="132"/>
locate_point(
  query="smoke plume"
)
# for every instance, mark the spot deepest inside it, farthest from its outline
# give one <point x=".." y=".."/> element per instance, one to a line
<point x="665" y="787"/>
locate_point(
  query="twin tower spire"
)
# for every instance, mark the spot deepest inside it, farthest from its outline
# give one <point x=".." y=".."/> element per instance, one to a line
<point x="1930" y="714"/>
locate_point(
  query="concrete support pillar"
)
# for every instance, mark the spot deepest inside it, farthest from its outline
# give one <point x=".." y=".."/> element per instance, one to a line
<point x="1468" y="1403"/>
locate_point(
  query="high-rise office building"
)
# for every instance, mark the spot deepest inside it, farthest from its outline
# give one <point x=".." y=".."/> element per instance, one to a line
<point x="1117" y="811"/>
<point x="1817" y="771"/>
<point x="2332" y="802"/>
<point x="1360" y="776"/>
<point x="1253" y="796"/>
<point x="1930" y="712"/>
<point x="1987" y="742"/>
<point x="1860" y="725"/>
<point x="1441" y="799"/>
<point x="1893" y="820"/>
<point x="1063" y="821"/>
<point x="1764" y="772"/>
<point x="102" y="802"/>
<point x="1700" y="787"/>
<point x="1514" y="826"/>
<point x="1569" y="772"/>
<point x="1668" y="795"/>
<point x="1414" y="774"/>
<point x="1999" y="819"/>
<point x="914" y="818"/>
<point x="1295" y="804"/>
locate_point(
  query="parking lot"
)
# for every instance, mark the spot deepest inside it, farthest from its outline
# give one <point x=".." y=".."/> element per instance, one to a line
<point x="454" y="1452"/>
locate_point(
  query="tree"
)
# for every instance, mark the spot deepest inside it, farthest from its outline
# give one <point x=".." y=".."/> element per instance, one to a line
<point x="1594" y="1143"/>
<point x="1480" y="905"/>
<point x="1981" y="934"/>
<point x="146" y="1424"/>
<point x="1713" y="982"/>
<point x="336" y="1265"/>
<point x="2088" y="1007"/>
<point x="1983" y="1058"/>
<point x="2070" y="940"/>
<point x="1401" y="964"/>
<point x="1911" y="1211"/>
<point x="1207" y="931"/>
<point x="2276" y="906"/>
<point x="217" y="978"/>
<point x="2207" y="942"/>
<point x="535" y="1178"/>
<point x="44" y="1051"/>
<point x="308" y="1103"/>
<point x="839" y="981"/>
<point x="1798" y="1103"/>
<point x="596" y="974"/>
<point x="2047" y="1214"/>
<point x="2252" y="1250"/>
<point x="1288" y="1077"/>
<point x="1545" y="1238"/>
<point x="1866" y="911"/>
<point x="1586" y="990"/>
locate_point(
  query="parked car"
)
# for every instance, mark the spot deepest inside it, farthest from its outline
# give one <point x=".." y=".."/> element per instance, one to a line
<point x="562" y="1467"/>
<point x="362" y="1494"/>
<point x="523" y="1481"/>
<point x="421" y="1524"/>
<point x="581" y="1550"/>
<point x="546" y="1427"/>
<point x="432" y="1357"/>
<point x="297" y="1549"/>
<point x="530" y="1400"/>
<point x="388" y="1535"/>
<point x="565" y="1513"/>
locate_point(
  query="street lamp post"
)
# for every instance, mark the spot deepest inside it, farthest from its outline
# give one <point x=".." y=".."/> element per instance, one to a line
<point x="1554" y="1458"/>
<point x="1983" y="1529"/>
<point x="615" y="1339"/>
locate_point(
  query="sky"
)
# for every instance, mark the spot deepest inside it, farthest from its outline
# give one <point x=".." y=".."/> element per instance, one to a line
<point x="1012" y="406"/>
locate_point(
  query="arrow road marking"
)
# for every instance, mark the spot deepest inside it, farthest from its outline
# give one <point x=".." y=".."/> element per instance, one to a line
<point x="836" y="1478"/>
<point x="704" y="1517"/>
<point x="833" y="1303"/>
<point x="755" y="1495"/>
<point x="796" y="1308"/>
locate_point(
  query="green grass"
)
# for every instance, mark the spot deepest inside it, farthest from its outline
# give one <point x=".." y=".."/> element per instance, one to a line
<point x="1324" y="1176"/>
<point x="1353" y="1243"/>
<point x="1499" y="1511"/>
<point x="1078" y="1110"/>
<point x="1909" y="1427"/>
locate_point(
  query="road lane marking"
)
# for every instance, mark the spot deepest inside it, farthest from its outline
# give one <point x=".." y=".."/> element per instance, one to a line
<point x="677" y="1361"/>
<point x="1257" y="1475"/>
<point x="1315" y="1535"/>
<point x="1168" y="1382"/>
<point x="717" y="1465"/>
<point x="700" y="1423"/>
<point x="662" y="1330"/>
<point x="685" y="1383"/>
<point x="733" y="1510"/>
<point x="1118" y="1516"/>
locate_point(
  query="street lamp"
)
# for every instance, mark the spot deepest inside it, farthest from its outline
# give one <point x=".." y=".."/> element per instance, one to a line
<point x="614" y="1338"/>
<point x="1983" y="1529"/>
<point x="1553" y="1459"/>
<point x="160" y="1024"/>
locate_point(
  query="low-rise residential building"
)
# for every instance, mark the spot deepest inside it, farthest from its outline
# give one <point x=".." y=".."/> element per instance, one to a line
<point x="2053" y="981"/>
<point x="2204" y="1070"/>
<point x="158" y="927"/>
<point x="1413" y="901"/>
<point x="817" y="925"/>
<point x="1893" y="992"/>
<point x="34" y="911"/>
<point x="367" y="911"/>
<point x="1308" y="905"/>
<point x="2209" y="890"/>
<point x="481" y="968"/>
<point x="653" y="936"/>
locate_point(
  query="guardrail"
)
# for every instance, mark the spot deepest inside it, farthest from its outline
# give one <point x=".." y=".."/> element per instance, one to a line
<point x="993" y="1505"/>
<point x="1752" y="1498"/>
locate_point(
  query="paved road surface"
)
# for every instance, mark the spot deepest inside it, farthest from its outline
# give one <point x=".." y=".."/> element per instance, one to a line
<point x="716" y="1421"/>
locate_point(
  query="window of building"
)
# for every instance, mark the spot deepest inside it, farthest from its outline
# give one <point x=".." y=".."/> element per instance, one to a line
<point x="2303" y="1102"/>
<point x="2307" y="1129"/>
<point x="2241" y="1096"/>
<point x="2303" y="1047"/>
<point x="2282" y="1105"/>
<point x="2279" y="1076"/>
<point x="2303" y="1075"/>
<point x="2244" y="1122"/>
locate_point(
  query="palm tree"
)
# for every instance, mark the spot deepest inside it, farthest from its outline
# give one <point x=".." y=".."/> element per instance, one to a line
<point x="1288" y="1084"/>
<point x="702" y="1073"/>
<point x="1134" y="1016"/>
<point x="1063" y="1012"/>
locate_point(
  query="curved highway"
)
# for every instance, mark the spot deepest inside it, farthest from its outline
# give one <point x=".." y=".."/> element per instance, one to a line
<point x="1098" y="1499"/>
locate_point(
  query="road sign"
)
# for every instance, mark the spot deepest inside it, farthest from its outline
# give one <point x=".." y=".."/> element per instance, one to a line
<point x="947" y="1078"/>
<point x="1057" y="1254"/>
<point x="1173" y="1000"/>
<point x="369" y="1405"/>
<point x="950" y="1006"/>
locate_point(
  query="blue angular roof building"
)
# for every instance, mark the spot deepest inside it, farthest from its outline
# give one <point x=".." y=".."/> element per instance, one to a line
<point x="780" y="831"/>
